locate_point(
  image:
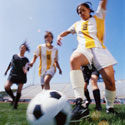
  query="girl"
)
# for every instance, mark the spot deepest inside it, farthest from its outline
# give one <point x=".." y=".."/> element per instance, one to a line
<point x="90" y="36"/>
<point x="19" y="67"/>
<point x="48" y="55"/>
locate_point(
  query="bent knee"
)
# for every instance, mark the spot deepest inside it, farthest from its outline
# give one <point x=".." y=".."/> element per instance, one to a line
<point x="75" y="63"/>
<point x="111" y="86"/>
<point x="6" y="87"/>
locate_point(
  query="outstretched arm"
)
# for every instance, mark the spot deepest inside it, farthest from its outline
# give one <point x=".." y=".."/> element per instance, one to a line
<point x="7" y="69"/>
<point x="60" y="36"/>
<point x="104" y="3"/>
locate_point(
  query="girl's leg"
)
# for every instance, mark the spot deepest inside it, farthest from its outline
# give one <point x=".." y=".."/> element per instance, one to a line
<point x="47" y="79"/>
<point x="8" y="89"/>
<point x="86" y="93"/>
<point x="110" y="91"/>
<point x="20" y="86"/>
<point x="77" y="60"/>
<point x="96" y="91"/>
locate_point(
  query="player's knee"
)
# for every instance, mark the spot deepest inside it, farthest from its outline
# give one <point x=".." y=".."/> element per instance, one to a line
<point x="6" y="87"/>
<point x="111" y="86"/>
<point x="74" y="63"/>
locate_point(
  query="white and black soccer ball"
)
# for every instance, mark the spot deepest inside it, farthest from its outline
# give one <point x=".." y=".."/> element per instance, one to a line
<point x="49" y="107"/>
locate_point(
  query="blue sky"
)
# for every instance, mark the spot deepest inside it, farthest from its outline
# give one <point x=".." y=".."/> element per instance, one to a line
<point x="28" y="20"/>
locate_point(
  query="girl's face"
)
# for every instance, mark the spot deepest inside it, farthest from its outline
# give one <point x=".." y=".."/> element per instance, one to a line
<point x="48" y="38"/>
<point x="84" y="12"/>
<point x="22" y="49"/>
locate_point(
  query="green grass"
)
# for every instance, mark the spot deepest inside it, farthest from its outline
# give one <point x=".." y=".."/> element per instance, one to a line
<point x="8" y="116"/>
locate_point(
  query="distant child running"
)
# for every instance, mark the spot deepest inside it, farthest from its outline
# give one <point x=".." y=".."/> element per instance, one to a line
<point x="48" y="55"/>
<point x="19" y="66"/>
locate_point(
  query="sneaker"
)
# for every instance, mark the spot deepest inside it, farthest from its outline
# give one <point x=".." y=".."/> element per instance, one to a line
<point x="111" y="110"/>
<point x="88" y="103"/>
<point x="79" y="112"/>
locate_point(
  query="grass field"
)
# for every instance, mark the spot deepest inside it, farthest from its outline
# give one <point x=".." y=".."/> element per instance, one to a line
<point x="8" y="116"/>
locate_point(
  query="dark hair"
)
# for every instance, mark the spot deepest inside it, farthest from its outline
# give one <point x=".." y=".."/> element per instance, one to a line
<point x="26" y="45"/>
<point x="47" y="33"/>
<point x="87" y="5"/>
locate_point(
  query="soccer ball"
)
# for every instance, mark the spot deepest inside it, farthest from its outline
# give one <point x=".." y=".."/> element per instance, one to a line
<point x="50" y="107"/>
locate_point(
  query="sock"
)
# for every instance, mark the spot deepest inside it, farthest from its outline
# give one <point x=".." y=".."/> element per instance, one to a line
<point x="110" y="98"/>
<point x="77" y="82"/>
<point x="17" y="99"/>
<point x="10" y="93"/>
<point x="86" y="93"/>
<point x="96" y="94"/>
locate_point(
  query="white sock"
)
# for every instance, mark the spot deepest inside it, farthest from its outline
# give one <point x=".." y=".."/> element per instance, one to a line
<point x="77" y="82"/>
<point x="110" y="97"/>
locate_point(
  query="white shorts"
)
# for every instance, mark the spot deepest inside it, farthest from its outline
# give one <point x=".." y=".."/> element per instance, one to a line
<point x="100" y="57"/>
<point x="50" y="71"/>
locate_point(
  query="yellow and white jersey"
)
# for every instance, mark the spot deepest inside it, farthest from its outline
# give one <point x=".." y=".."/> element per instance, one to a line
<point x="47" y="58"/>
<point x="90" y="33"/>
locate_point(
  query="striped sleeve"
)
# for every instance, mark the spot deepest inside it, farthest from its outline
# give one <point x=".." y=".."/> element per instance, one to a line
<point x="72" y="29"/>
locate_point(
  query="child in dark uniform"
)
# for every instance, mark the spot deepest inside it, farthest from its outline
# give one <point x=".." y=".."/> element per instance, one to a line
<point x="90" y="72"/>
<point x="19" y="66"/>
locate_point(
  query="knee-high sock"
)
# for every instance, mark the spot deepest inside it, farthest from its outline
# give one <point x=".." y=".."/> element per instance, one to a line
<point x="110" y="97"/>
<point x="77" y="82"/>
<point x="86" y="93"/>
<point x="96" y="94"/>
<point x="10" y="93"/>
<point x="17" y="98"/>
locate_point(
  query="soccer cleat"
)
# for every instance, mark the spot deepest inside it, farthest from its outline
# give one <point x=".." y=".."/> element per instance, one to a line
<point x="79" y="112"/>
<point x="111" y="111"/>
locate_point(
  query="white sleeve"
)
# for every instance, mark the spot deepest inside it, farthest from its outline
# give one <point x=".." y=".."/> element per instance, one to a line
<point x="100" y="13"/>
<point x="37" y="51"/>
<point x="72" y="29"/>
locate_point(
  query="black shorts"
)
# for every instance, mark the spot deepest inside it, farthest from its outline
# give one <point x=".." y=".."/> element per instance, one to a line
<point x="17" y="80"/>
<point x="87" y="73"/>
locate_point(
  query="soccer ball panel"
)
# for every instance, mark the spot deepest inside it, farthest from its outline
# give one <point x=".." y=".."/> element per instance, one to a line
<point x="37" y="112"/>
<point x="55" y="95"/>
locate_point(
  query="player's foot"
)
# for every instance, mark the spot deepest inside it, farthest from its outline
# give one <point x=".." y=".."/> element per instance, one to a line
<point x="15" y="106"/>
<point x="111" y="111"/>
<point x="87" y="102"/>
<point x="79" y="112"/>
<point x="98" y="108"/>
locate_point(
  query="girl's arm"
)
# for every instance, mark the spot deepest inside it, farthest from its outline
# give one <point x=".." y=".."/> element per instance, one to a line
<point x="33" y="60"/>
<point x="104" y="3"/>
<point x="60" y="36"/>
<point x="7" y="69"/>
<point x="58" y="66"/>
